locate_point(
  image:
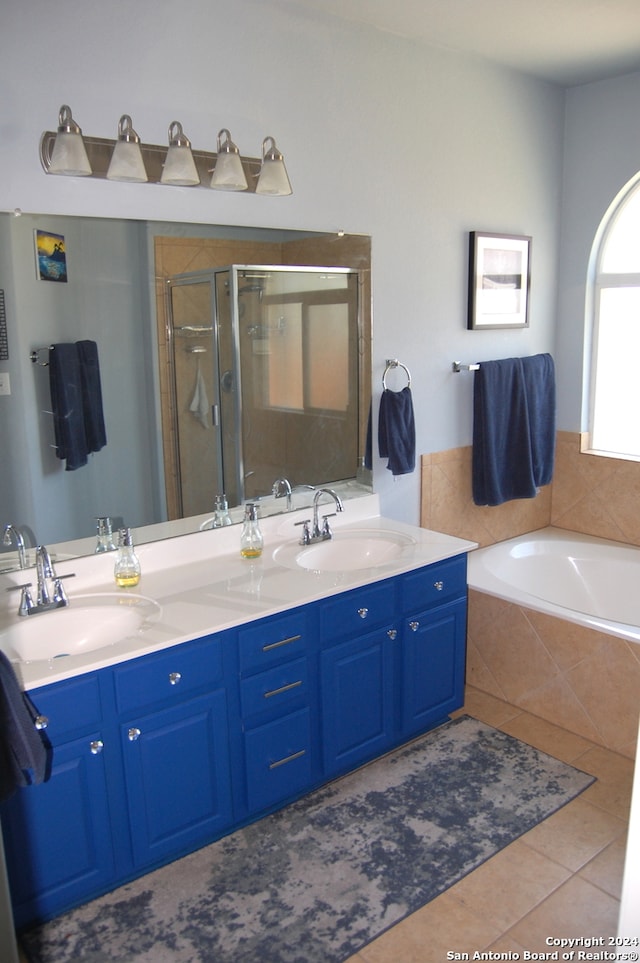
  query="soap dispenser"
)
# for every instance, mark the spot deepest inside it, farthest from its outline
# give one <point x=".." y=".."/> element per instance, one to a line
<point x="127" y="569"/>
<point x="251" y="541"/>
<point x="105" y="542"/>
<point x="222" y="517"/>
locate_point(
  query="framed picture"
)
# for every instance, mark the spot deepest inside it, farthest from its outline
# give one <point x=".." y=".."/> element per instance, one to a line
<point x="51" y="256"/>
<point x="499" y="280"/>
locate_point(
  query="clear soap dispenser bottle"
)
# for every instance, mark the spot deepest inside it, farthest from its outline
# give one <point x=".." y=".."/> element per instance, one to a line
<point x="251" y="541"/>
<point x="127" y="569"/>
<point x="222" y="516"/>
<point x="105" y="542"/>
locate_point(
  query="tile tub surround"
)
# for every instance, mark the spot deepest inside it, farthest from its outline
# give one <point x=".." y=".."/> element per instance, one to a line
<point x="582" y="680"/>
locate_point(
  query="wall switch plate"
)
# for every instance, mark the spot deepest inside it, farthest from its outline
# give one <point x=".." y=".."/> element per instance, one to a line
<point x="5" y="383"/>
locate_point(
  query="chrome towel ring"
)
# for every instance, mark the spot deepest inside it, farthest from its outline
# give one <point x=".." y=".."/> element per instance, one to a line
<point x="394" y="363"/>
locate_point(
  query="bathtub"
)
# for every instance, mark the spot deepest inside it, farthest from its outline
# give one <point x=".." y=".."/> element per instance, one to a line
<point x="553" y="629"/>
<point x="586" y="580"/>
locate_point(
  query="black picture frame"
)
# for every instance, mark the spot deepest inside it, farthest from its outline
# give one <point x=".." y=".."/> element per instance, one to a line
<point x="499" y="280"/>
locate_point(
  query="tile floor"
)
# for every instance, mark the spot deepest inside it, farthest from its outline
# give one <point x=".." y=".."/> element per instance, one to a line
<point x="561" y="879"/>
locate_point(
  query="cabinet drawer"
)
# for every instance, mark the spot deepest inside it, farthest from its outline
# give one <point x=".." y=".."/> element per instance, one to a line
<point x="279" y="687"/>
<point x="175" y="673"/>
<point x="358" y="611"/>
<point x="278" y="758"/>
<point x="272" y="640"/>
<point x="69" y="707"/>
<point x="434" y="584"/>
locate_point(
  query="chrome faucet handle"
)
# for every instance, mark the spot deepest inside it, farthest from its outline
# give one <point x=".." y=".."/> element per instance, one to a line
<point x="326" y="530"/>
<point x="306" y="531"/>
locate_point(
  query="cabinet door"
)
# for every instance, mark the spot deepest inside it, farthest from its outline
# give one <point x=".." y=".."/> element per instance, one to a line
<point x="57" y="837"/>
<point x="356" y="699"/>
<point x="433" y="661"/>
<point x="178" y="784"/>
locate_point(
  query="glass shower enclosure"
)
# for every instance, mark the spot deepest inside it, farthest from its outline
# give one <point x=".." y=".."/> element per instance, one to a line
<point x="265" y="376"/>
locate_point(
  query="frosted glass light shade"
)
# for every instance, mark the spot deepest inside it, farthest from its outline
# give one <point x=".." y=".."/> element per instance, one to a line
<point x="69" y="155"/>
<point x="179" y="166"/>
<point x="126" y="161"/>
<point x="228" y="173"/>
<point x="273" y="178"/>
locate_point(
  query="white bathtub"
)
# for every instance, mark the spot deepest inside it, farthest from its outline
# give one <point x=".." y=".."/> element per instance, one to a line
<point x="590" y="581"/>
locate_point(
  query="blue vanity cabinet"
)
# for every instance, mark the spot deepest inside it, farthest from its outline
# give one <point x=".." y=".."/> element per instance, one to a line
<point x="174" y="737"/>
<point x="57" y="834"/>
<point x="357" y="633"/>
<point x="432" y="644"/>
<point x="278" y="710"/>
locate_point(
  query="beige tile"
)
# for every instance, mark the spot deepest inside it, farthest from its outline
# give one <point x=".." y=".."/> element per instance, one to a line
<point x="444" y="924"/>
<point x="504" y="888"/>
<point x="614" y="773"/>
<point x="576" y="909"/>
<point x="547" y="737"/>
<point x="485" y="707"/>
<point x="607" y="868"/>
<point x="575" y="834"/>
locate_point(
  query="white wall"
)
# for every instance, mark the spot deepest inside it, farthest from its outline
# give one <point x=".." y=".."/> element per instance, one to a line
<point x="415" y="146"/>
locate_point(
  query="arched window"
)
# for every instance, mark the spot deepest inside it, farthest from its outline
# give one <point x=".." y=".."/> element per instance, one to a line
<point x="614" y="417"/>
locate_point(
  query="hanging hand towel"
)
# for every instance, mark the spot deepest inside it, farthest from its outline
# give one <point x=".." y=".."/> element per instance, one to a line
<point x="397" y="431"/>
<point x="540" y="386"/>
<point x="200" y="402"/>
<point x="94" y="428"/>
<point x="24" y="755"/>
<point x="67" y="407"/>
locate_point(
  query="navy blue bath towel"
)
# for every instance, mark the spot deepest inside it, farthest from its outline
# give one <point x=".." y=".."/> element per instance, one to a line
<point x="24" y="755"/>
<point x="397" y="431"/>
<point x="76" y="402"/>
<point x="514" y="403"/>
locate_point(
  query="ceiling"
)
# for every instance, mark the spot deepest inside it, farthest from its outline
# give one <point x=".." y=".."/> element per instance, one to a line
<point x="566" y="42"/>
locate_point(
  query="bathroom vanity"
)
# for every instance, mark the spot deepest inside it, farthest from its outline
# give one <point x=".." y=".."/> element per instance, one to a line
<point x="253" y="683"/>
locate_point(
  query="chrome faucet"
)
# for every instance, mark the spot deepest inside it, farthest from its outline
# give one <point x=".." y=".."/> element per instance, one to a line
<point x="317" y="533"/>
<point x="50" y="593"/>
<point x="11" y="533"/>
<point x="280" y="488"/>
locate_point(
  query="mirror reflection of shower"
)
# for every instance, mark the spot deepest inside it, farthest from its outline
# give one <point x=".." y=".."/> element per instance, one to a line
<point x="265" y="372"/>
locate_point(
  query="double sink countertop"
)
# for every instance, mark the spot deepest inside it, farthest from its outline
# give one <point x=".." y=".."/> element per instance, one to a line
<point x="201" y="584"/>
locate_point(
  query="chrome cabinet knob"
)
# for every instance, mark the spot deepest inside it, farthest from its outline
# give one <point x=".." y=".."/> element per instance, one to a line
<point x="41" y="722"/>
<point x="392" y="633"/>
<point x="174" y="677"/>
<point x="96" y="746"/>
<point x="414" y="626"/>
<point x="134" y="734"/>
<point x="438" y="586"/>
<point x="363" y="613"/>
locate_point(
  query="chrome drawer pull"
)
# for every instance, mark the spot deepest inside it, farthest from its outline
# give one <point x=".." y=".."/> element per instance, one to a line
<point x="96" y="747"/>
<point x="414" y="626"/>
<point x="41" y="722"/>
<point x="363" y="613"/>
<point x="174" y="677"/>
<point x="134" y="734"/>
<point x="276" y="645"/>
<point x="438" y="586"/>
<point x="283" y="688"/>
<point x="392" y="633"/>
<point x="282" y="762"/>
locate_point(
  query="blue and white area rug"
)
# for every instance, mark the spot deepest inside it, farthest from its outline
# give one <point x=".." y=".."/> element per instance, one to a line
<point x="318" y="880"/>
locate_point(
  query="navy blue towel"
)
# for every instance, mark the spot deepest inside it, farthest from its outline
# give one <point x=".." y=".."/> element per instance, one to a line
<point x="67" y="406"/>
<point x="94" y="428"/>
<point x="397" y="431"/>
<point x="24" y="754"/>
<point x="513" y="428"/>
<point x="76" y="402"/>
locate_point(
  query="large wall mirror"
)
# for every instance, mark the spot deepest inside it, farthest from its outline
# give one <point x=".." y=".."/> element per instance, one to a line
<point x="229" y="357"/>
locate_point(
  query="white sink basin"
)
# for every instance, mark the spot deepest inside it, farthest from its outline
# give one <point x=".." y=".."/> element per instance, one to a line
<point x="89" y="622"/>
<point x="346" y="551"/>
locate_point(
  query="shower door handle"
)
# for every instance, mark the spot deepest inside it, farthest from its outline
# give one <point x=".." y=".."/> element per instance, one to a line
<point x="215" y="415"/>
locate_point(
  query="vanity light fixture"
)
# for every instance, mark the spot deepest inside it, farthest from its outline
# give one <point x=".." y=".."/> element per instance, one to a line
<point x="69" y="155"/>
<point x="273" y="178"/>
<point x="228" y="174"/>
<point x="126" y="161"/>
<point x="68" y="152"/>
<point x="179" y="166"/>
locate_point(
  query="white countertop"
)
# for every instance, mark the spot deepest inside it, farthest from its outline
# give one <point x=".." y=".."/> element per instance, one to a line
<point x="203" y="585"/>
